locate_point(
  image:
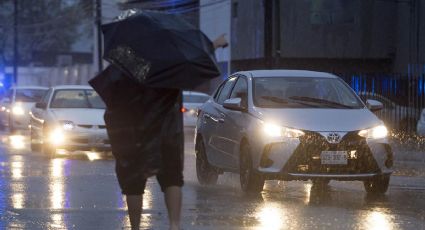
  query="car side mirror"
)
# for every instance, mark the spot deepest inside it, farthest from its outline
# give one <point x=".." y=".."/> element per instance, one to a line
<point x="374" y="105"/>
<point x="234" y="104"/>
<point x="41" y="105"/>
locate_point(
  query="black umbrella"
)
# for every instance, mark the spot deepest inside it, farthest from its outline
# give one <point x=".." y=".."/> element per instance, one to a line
<point x="160" y="50"/>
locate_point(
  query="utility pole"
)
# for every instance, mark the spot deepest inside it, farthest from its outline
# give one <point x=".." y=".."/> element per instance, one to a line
<point x="98" y="7"/>
<point x="268" y="30"/>
<point x="15" y="42"/>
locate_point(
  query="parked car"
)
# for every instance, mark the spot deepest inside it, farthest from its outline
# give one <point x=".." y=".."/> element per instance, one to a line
<point x="291" y="125"/>
<point x="191" y="102"/>
<point x="420" y="127"/>
<point x="394" y="115"/>
<point x="16" y="105"/>
<point x="69" y="119"/>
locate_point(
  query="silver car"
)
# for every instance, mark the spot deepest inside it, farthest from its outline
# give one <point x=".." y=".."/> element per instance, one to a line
<point x="291" y="125"/>
<point x="68" y="120"/>
<point x="16" y="105"/>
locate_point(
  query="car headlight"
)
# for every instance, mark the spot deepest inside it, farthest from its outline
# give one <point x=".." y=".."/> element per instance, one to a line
<point x="18" y="110"/>
<point x="57" y="137"/>
<point x="374" y="133"/>
<point x="67" y="125"/>
<point x="273" y="130"/>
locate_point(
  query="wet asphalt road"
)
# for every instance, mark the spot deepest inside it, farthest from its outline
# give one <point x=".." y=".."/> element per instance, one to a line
<point x="76" y="193"/>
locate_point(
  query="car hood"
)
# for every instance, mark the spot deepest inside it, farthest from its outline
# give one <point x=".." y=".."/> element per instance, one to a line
<point x="343" y="120"/>
<point x="80" y="116"/>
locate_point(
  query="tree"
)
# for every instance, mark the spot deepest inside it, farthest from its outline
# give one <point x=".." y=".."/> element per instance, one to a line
<point x="43" y="26"/>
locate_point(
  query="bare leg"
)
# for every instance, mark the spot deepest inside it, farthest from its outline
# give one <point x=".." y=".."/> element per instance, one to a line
<point x="173" y="200"/>
<point x="134" y="204"/>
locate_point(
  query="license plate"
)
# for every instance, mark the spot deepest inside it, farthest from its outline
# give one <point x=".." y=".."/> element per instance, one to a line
<point x="334" y="157"/>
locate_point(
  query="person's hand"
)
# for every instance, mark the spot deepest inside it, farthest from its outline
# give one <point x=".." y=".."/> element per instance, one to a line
<point x="220" y="41"/>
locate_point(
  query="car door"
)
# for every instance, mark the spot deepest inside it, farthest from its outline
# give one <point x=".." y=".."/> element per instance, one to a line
<point x="212" y="116"/>
<point x="233" y="124"/>
<point x="38" y="115"/>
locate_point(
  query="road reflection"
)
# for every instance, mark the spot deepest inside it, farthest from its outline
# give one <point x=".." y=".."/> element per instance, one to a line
<point x="57" y="192"/>
<point x="272" y="216"/>
<point x="379" y="218"/>
<point x="17" y="141"/>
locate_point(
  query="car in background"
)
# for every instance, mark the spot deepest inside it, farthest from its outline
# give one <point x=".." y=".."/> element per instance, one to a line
<point x="68" y="120"/>
<point x="291" y="125"/>
<point x="16" y="105"/>
<point x="191" y="102"/>
<point x="420" y="127"/>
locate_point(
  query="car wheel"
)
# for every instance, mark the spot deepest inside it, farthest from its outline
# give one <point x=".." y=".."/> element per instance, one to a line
<point x="34" y="147"/>
<point x="251" y="181"/>
<point x="47" y="150"/>
<point x="377" y="185"/>
<point x="207" y="174"/>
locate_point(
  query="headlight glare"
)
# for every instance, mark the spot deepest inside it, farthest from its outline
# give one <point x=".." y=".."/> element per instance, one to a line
<point x="18" y="110"/>
<point x="273" y="130"/>
<point x="57" y="137"/>
<point x="374" y="133"/>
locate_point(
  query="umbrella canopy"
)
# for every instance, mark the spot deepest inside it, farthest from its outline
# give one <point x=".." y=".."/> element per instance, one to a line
<point x="160" y="50"/>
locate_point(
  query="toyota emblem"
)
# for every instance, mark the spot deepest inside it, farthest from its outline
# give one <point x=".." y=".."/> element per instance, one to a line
<point x="333" y="138"/>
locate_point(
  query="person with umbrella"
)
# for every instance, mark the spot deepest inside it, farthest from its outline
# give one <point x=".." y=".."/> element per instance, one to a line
<point x="154" y="56"/>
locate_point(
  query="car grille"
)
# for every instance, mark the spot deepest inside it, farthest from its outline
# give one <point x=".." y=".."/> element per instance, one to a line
<point x="306" y="157"/>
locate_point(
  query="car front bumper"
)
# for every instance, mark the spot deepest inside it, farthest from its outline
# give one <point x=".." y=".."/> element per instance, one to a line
<point x="300" y="159"/>
<point x="90" y="140"/>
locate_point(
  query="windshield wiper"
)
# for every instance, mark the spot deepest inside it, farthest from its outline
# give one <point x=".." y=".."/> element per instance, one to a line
<point x="320" y="101"/>
<point x="275" y="99"/>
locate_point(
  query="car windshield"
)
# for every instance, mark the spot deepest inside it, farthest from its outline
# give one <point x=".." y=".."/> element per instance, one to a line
<point x="29" y="95"/>
<point x="77" y="98"/>
<point x="304" y="92"/>
<point x="191" y="98"/>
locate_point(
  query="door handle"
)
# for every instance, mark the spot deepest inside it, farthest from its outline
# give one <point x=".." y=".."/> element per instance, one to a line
<point x="221" y="120"/>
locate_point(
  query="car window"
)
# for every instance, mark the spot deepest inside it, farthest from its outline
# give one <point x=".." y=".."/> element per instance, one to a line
<point x="47" y="97"/>
<point x="225" y="91"/>
<point x="29" y="95"/>
<point x="190" y="98"/>
<point x="241" y="90"/>
<point x="303" y="92"/>
<point x="217" y="92"/>
<point x="76" y="98"/>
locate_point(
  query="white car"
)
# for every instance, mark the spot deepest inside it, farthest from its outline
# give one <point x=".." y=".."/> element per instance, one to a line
<point x="68" y="120"/>
<point x="291" y="125"/>
<point x="420" y="127"/>
<point x="191" y="102"/>
<point x="16" y="105"/>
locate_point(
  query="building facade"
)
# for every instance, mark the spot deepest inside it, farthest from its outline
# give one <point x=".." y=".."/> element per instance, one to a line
<point x="328" y="35"/>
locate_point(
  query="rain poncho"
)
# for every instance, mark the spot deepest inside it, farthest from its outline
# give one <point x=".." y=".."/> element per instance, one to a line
<point x="138" y="120"/>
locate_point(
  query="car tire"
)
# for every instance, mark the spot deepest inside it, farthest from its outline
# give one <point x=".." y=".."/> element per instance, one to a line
<point x="206" y="173"/>
<point x="46" y="149"/>
<point x="251" y="181"/>
<point x="377" y="185"/>
<point x="34" y="147"/>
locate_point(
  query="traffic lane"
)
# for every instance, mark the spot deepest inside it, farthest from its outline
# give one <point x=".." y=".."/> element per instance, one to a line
<point x="75" y="193"/>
